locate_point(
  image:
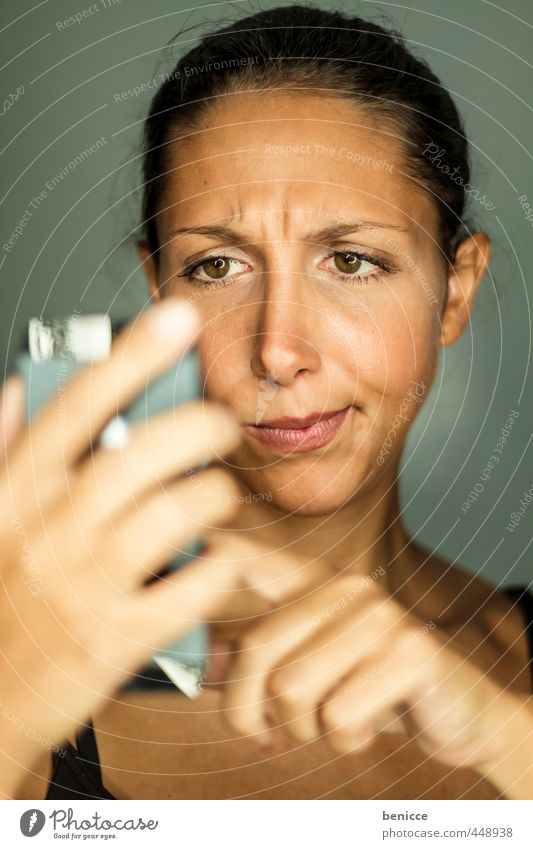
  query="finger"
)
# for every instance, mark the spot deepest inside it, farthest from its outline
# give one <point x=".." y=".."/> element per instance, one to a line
<point x="11" y="412"/>
<point x="132" y="626"/>
<point x="373" y="688"/>
<point x="219" y="659"/>
<point x="391" y="720"/>
<point x="158" y="449"/>
<point x="291" y="659"/>
<point x="298" y="687"/>
<point x="274" y="574"/>
<point x="168" y="608"/>
<point x="139" y="543"/>
<point x="142" y="350"/>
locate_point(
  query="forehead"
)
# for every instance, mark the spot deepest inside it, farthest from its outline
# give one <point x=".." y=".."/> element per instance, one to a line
<point x="280" y="159"/>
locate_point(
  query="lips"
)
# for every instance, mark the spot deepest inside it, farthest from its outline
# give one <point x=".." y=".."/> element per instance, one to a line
<point x="287" y="437"/>
<point x="286" y="422"/>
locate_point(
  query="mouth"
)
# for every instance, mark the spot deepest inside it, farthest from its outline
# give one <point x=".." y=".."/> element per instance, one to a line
<point x="289" y="434"/>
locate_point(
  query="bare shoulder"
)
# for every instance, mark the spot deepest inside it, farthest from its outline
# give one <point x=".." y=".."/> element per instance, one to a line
<point x="480" y="621"/>
<point x="452" y="596"/>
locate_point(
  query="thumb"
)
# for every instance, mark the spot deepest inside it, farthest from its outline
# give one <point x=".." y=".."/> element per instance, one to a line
<point x="12" y="406"/>
<point x="231" y="566"/>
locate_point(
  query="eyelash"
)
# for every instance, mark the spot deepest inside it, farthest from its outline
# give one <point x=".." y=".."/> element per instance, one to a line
<point x="380" y="266"/>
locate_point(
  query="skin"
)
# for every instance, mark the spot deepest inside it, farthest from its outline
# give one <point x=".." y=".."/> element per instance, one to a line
<point x="69" y="629"/>
<point x="328" y="342"/>
<point x="332" y="531"/>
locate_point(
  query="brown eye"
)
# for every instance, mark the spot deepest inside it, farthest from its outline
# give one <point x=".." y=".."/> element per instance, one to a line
<point x="348" y="263"/>
<point x="216" y="268"/>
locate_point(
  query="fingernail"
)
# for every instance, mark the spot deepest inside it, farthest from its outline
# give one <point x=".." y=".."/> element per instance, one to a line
<point x="174" y="316"/>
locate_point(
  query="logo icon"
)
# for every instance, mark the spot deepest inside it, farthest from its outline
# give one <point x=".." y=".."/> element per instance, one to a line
<point x="32" y="822"/>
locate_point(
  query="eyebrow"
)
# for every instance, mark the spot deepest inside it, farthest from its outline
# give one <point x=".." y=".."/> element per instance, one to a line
<point x="228" y="234"/>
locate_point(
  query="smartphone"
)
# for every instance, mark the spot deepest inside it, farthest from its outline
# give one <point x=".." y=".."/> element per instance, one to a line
<point x="52" y="351"/>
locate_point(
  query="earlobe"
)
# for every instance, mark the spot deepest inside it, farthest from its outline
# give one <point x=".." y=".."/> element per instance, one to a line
<point x="147" y="261"/>
<point x="469" y="265"/>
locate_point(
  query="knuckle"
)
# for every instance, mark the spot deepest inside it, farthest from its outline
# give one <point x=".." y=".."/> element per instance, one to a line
<point x="409" y="640"/>
<point x="376" y="615"/>
<point x="351" y="586"/>
<point x="237" y="717"/>
<point x="334" y="719"/>
<point x="252" y="642"/>
<point x="343" y="739"/>
<point x="384" y="610"/>
<point x="396" y="609"/>
<point x="359" y="584"/>
<point x="301" y="735"/>
<point x="242" y="726"/>
<point x="281" y="687"/>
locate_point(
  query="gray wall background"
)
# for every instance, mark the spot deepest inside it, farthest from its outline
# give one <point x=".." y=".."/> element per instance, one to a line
<point x="70" y="252"/>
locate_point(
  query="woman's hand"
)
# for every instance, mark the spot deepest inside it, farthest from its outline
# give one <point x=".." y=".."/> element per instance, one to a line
<point x="339" y="658"/>
<point x="82" y="529"/>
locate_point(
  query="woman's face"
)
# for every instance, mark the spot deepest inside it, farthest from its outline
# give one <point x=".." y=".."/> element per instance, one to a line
<point x="321" y="287"/>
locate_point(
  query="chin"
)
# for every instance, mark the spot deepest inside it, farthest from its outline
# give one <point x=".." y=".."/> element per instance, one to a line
<point x="312" y="508"/>
<point x="306" y="495"/>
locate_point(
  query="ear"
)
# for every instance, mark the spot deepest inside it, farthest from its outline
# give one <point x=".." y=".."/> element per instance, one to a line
<point x="469" y="266"/>
<point x="147" y="261"/>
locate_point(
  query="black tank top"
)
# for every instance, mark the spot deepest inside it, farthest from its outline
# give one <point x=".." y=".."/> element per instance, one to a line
<point x="76" y="773"/>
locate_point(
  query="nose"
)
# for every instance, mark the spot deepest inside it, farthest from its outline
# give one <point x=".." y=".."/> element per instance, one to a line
<point x="287" y="330"/>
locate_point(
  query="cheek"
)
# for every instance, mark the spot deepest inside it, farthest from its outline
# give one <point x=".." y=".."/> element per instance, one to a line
<point x="391" y="343"/>
<point x="223" y="367"/>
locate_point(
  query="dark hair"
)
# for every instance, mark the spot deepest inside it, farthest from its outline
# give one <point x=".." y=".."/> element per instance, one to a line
<point x="330" y="53"/>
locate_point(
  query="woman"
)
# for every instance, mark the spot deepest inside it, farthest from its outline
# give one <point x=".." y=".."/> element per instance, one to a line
<point x="289" y="194"/>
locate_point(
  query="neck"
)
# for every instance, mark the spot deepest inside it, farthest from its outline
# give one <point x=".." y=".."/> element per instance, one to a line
<point x="362" y="535"/>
